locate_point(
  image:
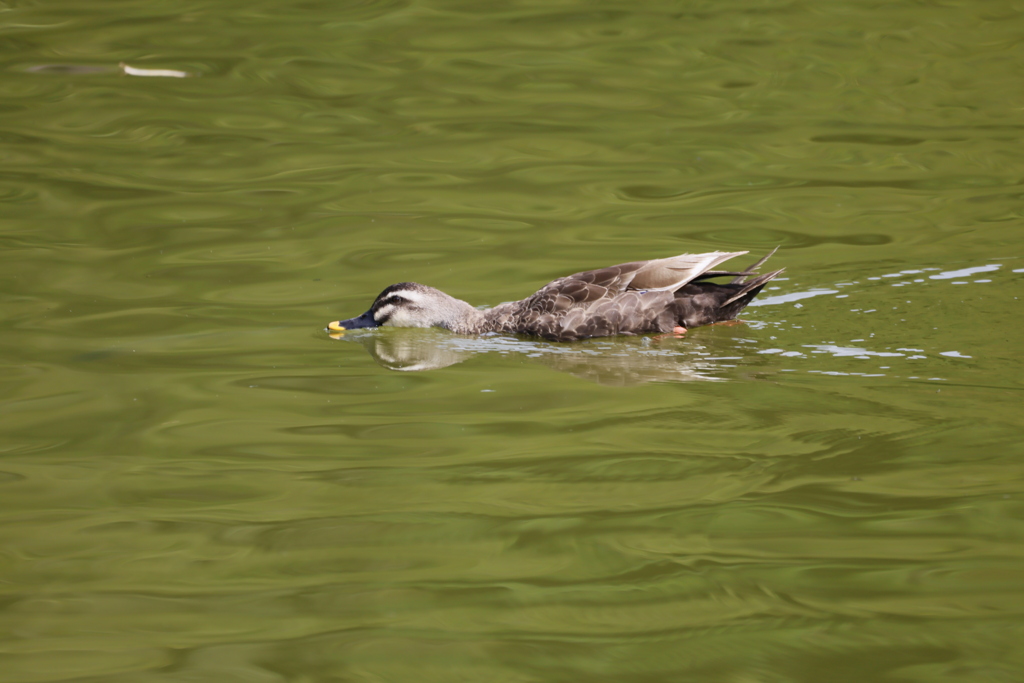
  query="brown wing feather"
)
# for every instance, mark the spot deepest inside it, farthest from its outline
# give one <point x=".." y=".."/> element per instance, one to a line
<point x="613" y="278"/>
<point x="632" y="312"/>
<point x="562" y="295"/>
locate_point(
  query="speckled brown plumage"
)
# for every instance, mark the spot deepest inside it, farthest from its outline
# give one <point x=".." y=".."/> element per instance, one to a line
<point x="632" y="298"/>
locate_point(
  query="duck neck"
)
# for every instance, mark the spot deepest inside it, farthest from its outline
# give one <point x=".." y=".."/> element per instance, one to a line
<point x="461" y="318"/>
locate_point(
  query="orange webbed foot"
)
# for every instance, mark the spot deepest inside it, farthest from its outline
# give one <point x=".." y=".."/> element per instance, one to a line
<point x="677" y="332"/>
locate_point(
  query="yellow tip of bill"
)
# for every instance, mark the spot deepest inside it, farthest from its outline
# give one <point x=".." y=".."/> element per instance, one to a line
<point x="335" y="327"/>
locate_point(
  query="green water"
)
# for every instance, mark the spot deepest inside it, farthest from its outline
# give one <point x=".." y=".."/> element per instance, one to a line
<point x="198" y="484"/>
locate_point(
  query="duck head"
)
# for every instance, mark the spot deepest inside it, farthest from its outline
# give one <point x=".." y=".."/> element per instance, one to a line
<point x="409" y="304"/>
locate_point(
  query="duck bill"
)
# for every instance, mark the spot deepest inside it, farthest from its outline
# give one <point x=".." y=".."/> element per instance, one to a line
<point x="365" y="320"/>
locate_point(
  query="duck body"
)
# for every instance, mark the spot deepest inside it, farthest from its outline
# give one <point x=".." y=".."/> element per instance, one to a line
<point x="660" y="295"/>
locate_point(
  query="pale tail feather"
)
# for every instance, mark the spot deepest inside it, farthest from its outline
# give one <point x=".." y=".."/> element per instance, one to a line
<point x="669" y="274"/>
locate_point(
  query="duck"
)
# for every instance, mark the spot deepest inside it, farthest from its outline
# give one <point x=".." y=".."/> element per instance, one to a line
<point x="664" y="295"/>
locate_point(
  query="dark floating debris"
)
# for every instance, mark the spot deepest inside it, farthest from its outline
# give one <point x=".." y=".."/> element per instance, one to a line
<point x="69" y="69"/>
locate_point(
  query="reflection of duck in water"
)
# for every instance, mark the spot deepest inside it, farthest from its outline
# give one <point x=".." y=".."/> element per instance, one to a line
<point x="622" y="361"/>
<point x="662" y="295"/>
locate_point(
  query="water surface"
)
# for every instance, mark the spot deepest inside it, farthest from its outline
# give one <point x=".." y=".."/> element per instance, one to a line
<point x="198" y="483"/>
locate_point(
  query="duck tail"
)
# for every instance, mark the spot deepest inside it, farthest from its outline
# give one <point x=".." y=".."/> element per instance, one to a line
<point x="704" y="303"/>
<point x="749" y="289"/>
<point x="751" y="269"/>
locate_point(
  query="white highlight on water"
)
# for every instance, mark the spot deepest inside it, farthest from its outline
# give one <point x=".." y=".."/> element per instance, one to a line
<point x="964" y="272"/>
